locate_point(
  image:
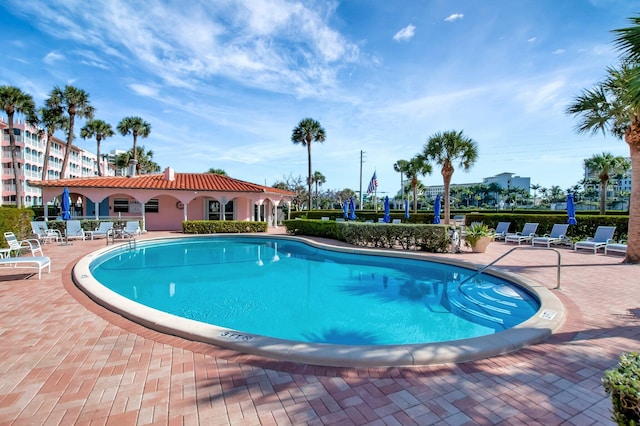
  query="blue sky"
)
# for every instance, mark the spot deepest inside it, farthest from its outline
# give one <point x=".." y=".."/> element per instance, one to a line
<point x="224" y="82"/>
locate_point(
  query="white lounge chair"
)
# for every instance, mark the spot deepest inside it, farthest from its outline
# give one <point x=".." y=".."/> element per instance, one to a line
<point x="133" y="227"/>
<point x="35" y="262"/>
<point x="557" y="235"/>
<point x="620" y="247"/>
<point x="42" y="232"/>
<point x="603" y="235"/>
<point x="396" y="221"/>
<point x="104" y="229"/>
<point x="501" y="230"/>
<point x="527" y="234"/>
<point x="74" y="230"/>
<point x="16" y="246"/>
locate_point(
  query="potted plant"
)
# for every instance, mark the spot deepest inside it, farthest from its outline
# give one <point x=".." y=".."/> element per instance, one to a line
<point x="478" y="236"/>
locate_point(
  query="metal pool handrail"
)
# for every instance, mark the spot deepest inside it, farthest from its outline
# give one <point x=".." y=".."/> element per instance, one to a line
<point x="481" y="270"/>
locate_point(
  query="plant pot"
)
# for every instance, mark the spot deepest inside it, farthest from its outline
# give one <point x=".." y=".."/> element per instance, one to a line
<point x="481" y="245"/>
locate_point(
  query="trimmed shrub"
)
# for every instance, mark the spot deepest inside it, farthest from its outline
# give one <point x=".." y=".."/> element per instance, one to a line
<point x="222" y="226"/>
<point x="623" y="384"/>
<point x="585" y="228"/>
<point x="17" y="221"/>
<point x="432" y="238"/>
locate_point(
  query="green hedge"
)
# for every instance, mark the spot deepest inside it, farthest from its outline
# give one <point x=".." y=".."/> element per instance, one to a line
<point x="222" y="226"/>
<point x="17" y="221"/>
<point x="623" y="384"/>
<point x="586" y="226"/>
<point x="431" y="238"/>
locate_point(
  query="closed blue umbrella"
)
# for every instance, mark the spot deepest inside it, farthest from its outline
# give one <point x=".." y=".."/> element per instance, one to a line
<point x="387" y="210"/>
<point x="571" y="210"/>
<point x="345" y="208"/>
<point x="406" y="209"/>
<point x="352" y="209"/>
<point x="66" y="204"/>
<point x="436" y="210"/>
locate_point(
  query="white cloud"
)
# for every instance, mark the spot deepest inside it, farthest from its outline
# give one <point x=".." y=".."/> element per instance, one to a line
<point x="144" y="90"/>
<point x="558" y="52"/>
<point x="532" y="40"/>
<point x="405" y="34"/>
<point x="52" y="57"/>
<point x="454" y="17"/>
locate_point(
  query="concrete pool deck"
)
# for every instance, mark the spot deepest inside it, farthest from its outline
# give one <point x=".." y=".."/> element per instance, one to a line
<point x="68" y="361"/>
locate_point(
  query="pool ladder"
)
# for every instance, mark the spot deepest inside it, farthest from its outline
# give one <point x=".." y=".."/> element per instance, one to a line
<point x="481" y="270"/>
<point x="131" y="239"/>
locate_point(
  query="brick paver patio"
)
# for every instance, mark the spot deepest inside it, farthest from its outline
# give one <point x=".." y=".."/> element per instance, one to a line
<point x="67" y="361"/>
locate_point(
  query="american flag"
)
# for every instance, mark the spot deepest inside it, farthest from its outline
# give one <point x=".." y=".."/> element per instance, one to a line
<point x="373" y="184"/>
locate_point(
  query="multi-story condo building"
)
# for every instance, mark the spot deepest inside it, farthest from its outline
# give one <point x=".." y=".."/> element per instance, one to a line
<point x="31" y="143"/>
<point x="616" y="185"/>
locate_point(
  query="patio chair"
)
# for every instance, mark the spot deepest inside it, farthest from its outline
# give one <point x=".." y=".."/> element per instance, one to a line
<point x="603" y="235"/>
<point x="620" y="247"/>
<point x="527" y="234"/>
<point x="557" y="235"/>
<point x="74" y="230"/>
<point x="133" y="227"/>
<point x="42" y="232"/>
<point x="16" y="246"/>
<point x="104" y="229"/>
<point x="501" y="230"/>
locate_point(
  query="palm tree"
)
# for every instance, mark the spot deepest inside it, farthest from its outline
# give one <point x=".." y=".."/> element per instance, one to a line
<point x="605" y="165"/>
<point x="135" y="126"/>
<point x="400" y="166"/>
<point x="535" y="188"/>
<point x="307" y="131"/>
<point x="52" y="119"/>
<point x="76" y="102"/>
<point x="145" y="163"/>
<point x="101" y="130"/>
<point x="609" y="108"/>
<point x="445" y="149"/>
<point x="14" y="100"/>
<point x="415" y="167"/>
<point x="318" y="179"/>
<point x="217" y="171"/>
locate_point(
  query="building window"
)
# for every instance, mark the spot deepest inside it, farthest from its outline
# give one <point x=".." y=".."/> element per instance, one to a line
<point x="151" y="206"/>
<point x="121" y="205"/>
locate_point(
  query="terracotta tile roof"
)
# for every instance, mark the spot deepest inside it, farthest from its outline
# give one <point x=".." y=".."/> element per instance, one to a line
<point x="181" y="182"/>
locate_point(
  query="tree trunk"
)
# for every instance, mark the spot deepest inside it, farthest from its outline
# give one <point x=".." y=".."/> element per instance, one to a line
<point x="309" y="178"/>
<point x="632" y="138"/>
<point x="98" y="153"/>
<point x="45" y="165"/>
<point x="447" y="172"/>
<point x="603" y="197"/>
<point x="14" y="161"/>
<point x="67" y="150"/>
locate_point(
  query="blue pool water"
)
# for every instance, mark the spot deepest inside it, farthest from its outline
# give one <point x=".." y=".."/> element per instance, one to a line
<point x="290" y="290"/>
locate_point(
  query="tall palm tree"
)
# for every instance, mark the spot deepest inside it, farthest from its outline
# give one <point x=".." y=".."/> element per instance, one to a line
<point x="416" y="167"/>
<point x="135" y="126"/>
<point x="76" y="103"/>
<point x="318" y="179"/>
<point x="14" y="100"/>
<point x="445" y="149"/>
<point x="52" y="119"/>
<point x="306" y="132"/>
<point x="609" y="108"/>
<point x="535" y="188"/>
<point x="400" y="167"/>
<point x="606" y="165"/>
<point x="101" y="130"/>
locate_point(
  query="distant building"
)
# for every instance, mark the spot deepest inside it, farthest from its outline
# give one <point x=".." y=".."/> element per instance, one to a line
<point x="503" y="180"/>
<point x="433" y="190"/>
<point x="31" y="145"/>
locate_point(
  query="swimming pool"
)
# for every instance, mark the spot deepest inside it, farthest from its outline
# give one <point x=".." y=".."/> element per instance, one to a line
<point x="287" y="298"/>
